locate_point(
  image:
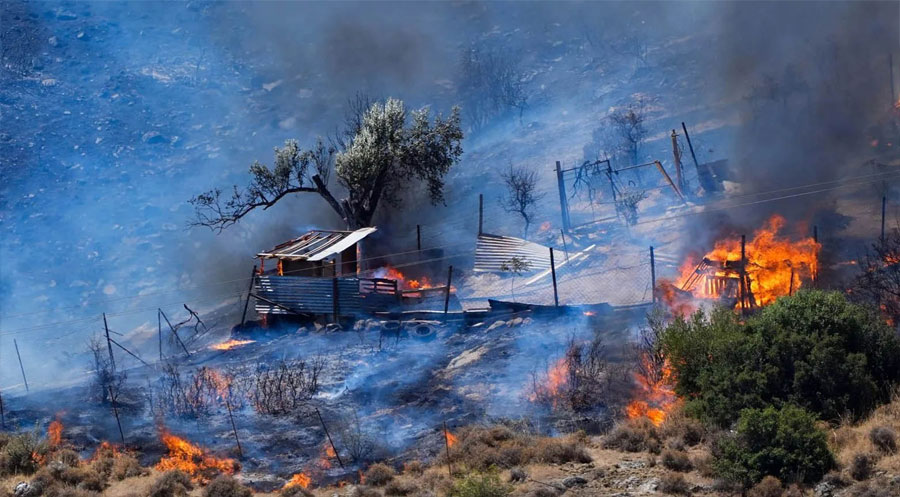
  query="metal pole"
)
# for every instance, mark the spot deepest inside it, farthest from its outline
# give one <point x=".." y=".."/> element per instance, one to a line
<point x="233" y="427"/>
<point x="20" y="364"/>
<point x="336" y="454"/>
<point x="419" y="237"/>
<point x="677" y="157"/>
<point x="335" y="300"/>
<point x="112" y="358"/>
<point x="447" y="291"/>
<point x="565" y="247"/>
<point x="883" y="208"/>
<point x="174" y="332"/>
<point x="691" y="147"/>
<point x="563" y="203"/>
<point x="553" y="274"/>
<point x="480" y="213"/>
<point x="447" y="446"/>
<point x="652" y="275"/>
<point x="159" y="333"/>
<point x="249" y="290"/>
<point x="112" y="398"/>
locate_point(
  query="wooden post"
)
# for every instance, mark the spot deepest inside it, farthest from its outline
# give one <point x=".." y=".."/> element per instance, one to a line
<point x="652" y="275"/>
<point x="336" y="454"/>
<point x="112" y="358"/>
<point x="20" y="364"/>
<point x="419" y="236"/>
<point x="691" y="147"/>
<point x="447" y="290"/>
<point x="335" y="300"/>
<point x="668" y="178"/>
<point x="233" y="427"/>
<point x="677" y="157"/>
<point x="112" y="399"/>
<point x="174" y="332"/>
<point x="883" y="208"/>
<point x="743" y="285"/>
<point x="791" y="287"/>
<point x="565" y="246"/>
<point x="249" y="291"/>
<point x="480" y="213"/>
<point x="563" y="203"/>
<point x="447" y="446"/>
<point x="553" y="274"/>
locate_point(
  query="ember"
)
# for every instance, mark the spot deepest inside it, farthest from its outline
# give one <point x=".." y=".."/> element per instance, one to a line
<point x="193" y="460"/>
<point x="655" y="395"/>
<point x="299" y="479"/>
<point x="230" y="344"/>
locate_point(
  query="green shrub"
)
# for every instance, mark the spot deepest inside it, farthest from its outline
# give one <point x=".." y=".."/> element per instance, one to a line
<point x="785" y="443"/>
<point x="814" y="349"/>
<point x="226" y="486"/>
<point x="486" y="484"/>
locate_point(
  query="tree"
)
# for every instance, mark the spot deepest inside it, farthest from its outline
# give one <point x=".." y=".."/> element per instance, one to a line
<point x="516" y="266"/>
<point x="490" y="84"/>
<point x="878" y="281"/>
<point x="627" y="125"/>
<point x="521" y="193"/>
<point x="383" y="150"/>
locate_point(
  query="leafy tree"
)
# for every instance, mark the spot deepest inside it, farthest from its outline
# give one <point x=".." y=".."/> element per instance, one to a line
<point x="785" y="443"/>
<point x="815" y="350"/>
<point x="521" y="193"/>
<point x="384" y="150"/>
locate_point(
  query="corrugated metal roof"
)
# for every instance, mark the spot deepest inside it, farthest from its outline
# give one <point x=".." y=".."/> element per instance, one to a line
<point x="492" y="251"/>
<point x="317" y="245"/>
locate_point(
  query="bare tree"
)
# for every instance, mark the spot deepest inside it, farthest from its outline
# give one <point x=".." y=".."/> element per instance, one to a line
<point x="628" y="129"/>
<point x="878" y="281"/>
<point x="355" y="438"/>
<point x="105" y="377"/>
<point x="521" y="193"/>
<point x="383" y="150"/>
<point x="632" y="46"/>
<point x="491" y="84"/>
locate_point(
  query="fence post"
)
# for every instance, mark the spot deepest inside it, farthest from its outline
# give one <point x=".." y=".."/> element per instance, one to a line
<point x="652" y="276"/>
<point x="563" y="204"/>
<point x="249" y="291"/>
<point x="815" y="275"/>
<point x="743" y="286"/>
<point x="553" y="274"/>
<point x="335" y="300"/>
<point x="112" y="358"/>
<point x="447" y="291"/>
<point x="691" y="146"/>
<point x="419" y="237"/>
<point x="480" y="213"/>
<point x="679" y="178"/>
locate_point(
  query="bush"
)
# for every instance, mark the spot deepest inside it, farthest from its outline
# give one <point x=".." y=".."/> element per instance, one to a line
<point x="633" y="436"/>
<point x="884" y="439"/>
<point x="226" y="486"/>
<point x="480" y="485"/>
<point x="18" y="453"/>
<point x="379" y="474"/>
<point x="400" y="488"/>
<point x="172" y="483"/>
<point x="560" y="451"/>
<point x="685" y="430"/>
<point x="676" y="460"/>
<point x="814" y="349"/>
<point x="673" y="483"/>
<point x="126" y="466"/>
<point x="862" y="466"/>
<point x="780" y="442"/>
<point x="414" y="467"/>
<point x="767" y="487"/>
<point x="298" y="491"/>
<point x="360" y="491"/>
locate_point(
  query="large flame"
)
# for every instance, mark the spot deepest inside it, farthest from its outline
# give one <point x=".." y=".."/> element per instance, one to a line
<point x="191" y="459"/>
<point x="299" y="479"/>
<point x="775" y="266"/>
<point x="54" y="433"/>
<point x="552" y="384"/>
<point x="230" y="344"/>
<point x="655" y="396"/>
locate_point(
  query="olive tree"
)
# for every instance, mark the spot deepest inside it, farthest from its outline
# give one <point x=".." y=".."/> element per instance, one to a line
<point x="386" y="149"/>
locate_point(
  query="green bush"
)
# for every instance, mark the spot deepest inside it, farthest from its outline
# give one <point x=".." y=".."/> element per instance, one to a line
<point x="814" y="349"/>
<point x="480" y="485"/>
<point x="785" y="443"/>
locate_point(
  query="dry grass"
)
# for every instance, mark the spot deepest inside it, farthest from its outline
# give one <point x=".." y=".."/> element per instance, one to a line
<point x="850" y="440"/>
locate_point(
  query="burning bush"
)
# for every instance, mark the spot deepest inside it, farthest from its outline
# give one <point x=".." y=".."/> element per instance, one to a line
<point x="21" y="453"/>
<point x="814" y="349"/>
<point x="193" y="460"/>
<point x="786" y="443"/>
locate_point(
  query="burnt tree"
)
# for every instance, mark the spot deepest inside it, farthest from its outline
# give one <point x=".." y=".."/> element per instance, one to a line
<point x="383" y="151"/>
<point x="521" y="194"/>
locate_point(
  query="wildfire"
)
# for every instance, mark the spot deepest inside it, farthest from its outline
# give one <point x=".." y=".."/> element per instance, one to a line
<point x="404" y="283"/>
<point x="299" y="479"/>
<point x="191" y="459"/>
<point x="451" y="438"/>
<point x="54" y="433"/>
<point x="105" y="449"/>
<point x="327" y="455"/>
<point x="775" y="266"/>
<point x="230" y="344"/>
<point x="655" y="395"/>
<point x="557" y="378"/>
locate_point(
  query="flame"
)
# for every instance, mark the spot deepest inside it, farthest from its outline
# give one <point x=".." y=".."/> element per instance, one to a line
<point x="589" y="313"/>
<point x="545" y="226"/>
<point x="655" y="396"/>
<point x="299" y="479"/>
<point x="54" y="433"/>
<point x="557" y="378"/>
<point x="327" y="455"/>
<point x="230" y="344"/>
<point x="403" y="282"/>
<point x="775" y="266"/>
<point x="451" y="438"/>
<point x="362" y="477"/>
<point x="191" y="459"/>
<point x="105" y="449"/>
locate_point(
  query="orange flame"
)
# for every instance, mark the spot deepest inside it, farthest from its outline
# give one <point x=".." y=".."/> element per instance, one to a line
<point x="557" y="378"/>
<point x="299" y="479"/>
<point x="327" y="455"/>
<point x="105" y="449"/>
<point x="545" y="226"/>
<point x="230" y="344"/>
<point x="191" y="459"/>
<point x="403" y="282"/>
<point x="54" y="433"/>
<point x="655" y="396"/>
<point x="362" y="477"/>
<point x="775" y="266"/>
<point x="451" y="438"/>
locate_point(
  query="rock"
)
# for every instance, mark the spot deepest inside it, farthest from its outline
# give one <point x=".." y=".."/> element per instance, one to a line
<point x="496" y="324"/>
<point x="65" y="15"/>
<point x="649" y="486"/>
<point x="333" y="328"/>
<point x="26" y="489"/>
<point x="515" y="322"/>
<point x="574" y="481"/>
<point x="824" y="489"/>
<point x="527" y="321"/>
<point x="517" y="474"/>
<point x="48" y="82"/>
<point x="153" y="137"/>
<point x="53" y="41"/>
